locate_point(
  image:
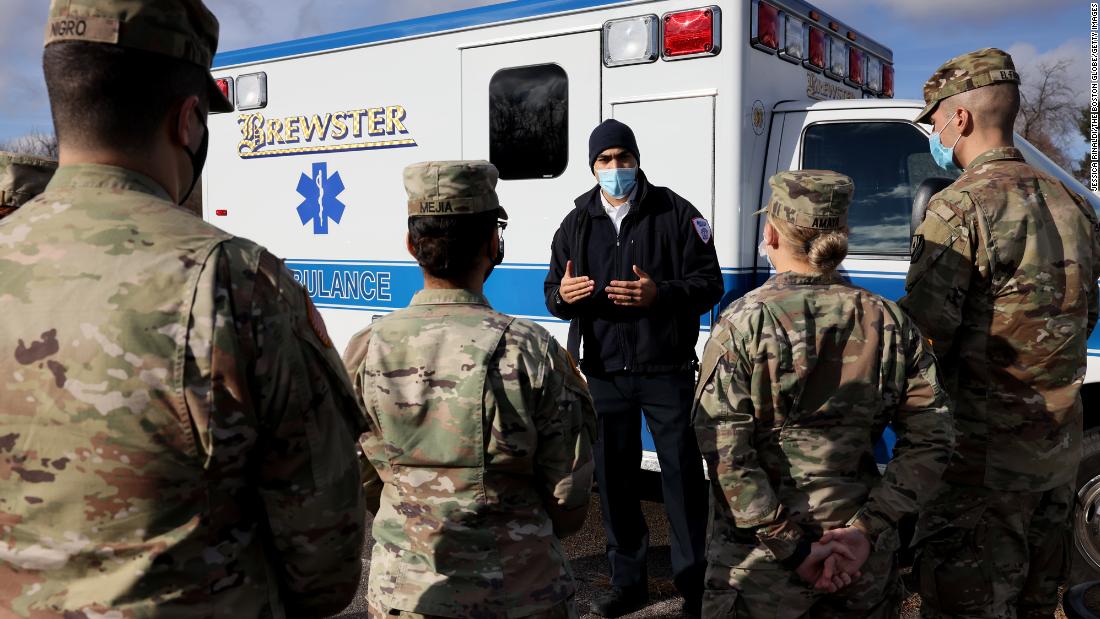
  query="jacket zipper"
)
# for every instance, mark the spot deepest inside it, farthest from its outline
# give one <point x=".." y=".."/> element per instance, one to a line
<point x="624" y="271"/>
<point x="619" y="330"/>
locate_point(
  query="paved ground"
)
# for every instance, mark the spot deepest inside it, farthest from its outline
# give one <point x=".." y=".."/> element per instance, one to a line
<point x="586" y="551"/>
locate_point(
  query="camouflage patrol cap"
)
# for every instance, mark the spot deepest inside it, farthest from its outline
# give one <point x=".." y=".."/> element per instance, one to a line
<point x="22" y="177"/>
<point x="816" y="199"/>
<point x="967" y="72"/>
<point x="182" y="29"/>
<point x="452" y="188"/>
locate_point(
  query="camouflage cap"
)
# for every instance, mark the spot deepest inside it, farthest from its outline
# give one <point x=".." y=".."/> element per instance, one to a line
<point x="182" y="29"/>
<point x="452" y="188"/>
<point x="22" y="177"/>
<point x="815" y="199"/>
<point x="967" y="72"/>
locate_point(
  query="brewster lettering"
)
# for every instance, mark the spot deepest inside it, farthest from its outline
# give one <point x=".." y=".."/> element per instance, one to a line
<point x="328" y="132"/>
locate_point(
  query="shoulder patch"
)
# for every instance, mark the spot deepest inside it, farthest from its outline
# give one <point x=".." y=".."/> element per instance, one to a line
<point x="315" y="321"/>
<point x="945" y="210"/>
<point x="916" y="248"/>
<point x="702" y="228"/>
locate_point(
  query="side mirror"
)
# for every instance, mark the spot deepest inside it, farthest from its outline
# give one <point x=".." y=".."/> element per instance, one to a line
<point x="928" y="188"/>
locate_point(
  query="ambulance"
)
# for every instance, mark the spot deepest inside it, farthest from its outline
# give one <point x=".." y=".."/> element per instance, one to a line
<point x="721" y="96"/>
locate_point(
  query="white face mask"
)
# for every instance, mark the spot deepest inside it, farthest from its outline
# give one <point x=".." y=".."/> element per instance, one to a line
<point x="762" y="249"/>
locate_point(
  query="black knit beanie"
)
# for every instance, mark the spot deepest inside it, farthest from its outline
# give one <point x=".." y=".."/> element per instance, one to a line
<point x="611" y="134"/>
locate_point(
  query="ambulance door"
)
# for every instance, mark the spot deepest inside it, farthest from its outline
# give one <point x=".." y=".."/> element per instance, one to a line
<point x="528" y="107"/>
<point x="676" y="137"/>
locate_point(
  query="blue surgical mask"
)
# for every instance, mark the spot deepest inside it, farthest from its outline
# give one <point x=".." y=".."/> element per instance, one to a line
<point x="944" y="156"/>
<point x="618" y="182"/>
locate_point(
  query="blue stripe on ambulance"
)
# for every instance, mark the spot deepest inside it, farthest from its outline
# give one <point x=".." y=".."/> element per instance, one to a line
<point x="516" y="289"/>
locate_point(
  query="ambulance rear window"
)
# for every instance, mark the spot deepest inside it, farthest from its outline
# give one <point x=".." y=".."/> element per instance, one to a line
<point x="887" y="161"/>
<point x="529" y="121"/>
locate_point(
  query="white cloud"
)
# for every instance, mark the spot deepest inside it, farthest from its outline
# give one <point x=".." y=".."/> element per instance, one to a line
<point x="1028" y="60"/>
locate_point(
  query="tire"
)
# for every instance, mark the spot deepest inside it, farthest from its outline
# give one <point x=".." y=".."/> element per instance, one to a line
<point x="1086" y="515"/>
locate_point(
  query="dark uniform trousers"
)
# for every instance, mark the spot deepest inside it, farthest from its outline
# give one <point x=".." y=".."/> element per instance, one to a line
<point x="666" y="401"/>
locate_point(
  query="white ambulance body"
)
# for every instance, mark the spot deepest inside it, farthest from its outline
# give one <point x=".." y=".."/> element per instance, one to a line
<point x="720" y="96"/>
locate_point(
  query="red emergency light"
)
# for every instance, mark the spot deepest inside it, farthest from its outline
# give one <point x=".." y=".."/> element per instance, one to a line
<point x="887" y="80"/>
<point x="765" y="27"/>
<point x="225" y="84"/>
<point x="815" y="49"/>
<point x="692" y="33"/>
<point x="855" y="67"/>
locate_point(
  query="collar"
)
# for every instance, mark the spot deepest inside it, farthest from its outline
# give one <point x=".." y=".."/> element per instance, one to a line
<point x="1003" y="153"/>
<point x="448" y="296"/>
<point x="607" y="206"/>
<point x="96" y="176"/>
<point x="793" y="278"/>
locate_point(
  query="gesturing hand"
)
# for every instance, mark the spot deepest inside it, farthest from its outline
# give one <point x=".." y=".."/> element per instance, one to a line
<point x="573" y="289"/>
<point x="858" y="548"/>
<point x="639" y="293"/>
<point x="816" y="569"/>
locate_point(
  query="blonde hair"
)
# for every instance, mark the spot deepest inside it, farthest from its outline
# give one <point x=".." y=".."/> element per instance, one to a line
<point x="823" y="249"/>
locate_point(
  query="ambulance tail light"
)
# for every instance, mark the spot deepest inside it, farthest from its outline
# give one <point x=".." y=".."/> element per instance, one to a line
<point x="888" y="80"/>
<point x="252" y="91"/>
<point x="634" y="40"/>
<point x="694" y="33"/>
<point x="838" y="59"/>
<point x="855" y="67"/>
<point x="225" y="84"/>
<point x="765" y="26"/>
<point x="817" y="42"/>
<point x="873" y="75"/>
<point x="793" y="48"/>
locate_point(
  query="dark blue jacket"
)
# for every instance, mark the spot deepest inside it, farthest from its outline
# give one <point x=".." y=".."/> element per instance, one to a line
<point x="660" y="236"/>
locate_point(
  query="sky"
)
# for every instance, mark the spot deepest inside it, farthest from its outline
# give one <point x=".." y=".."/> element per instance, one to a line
<point x="921" y="33"/>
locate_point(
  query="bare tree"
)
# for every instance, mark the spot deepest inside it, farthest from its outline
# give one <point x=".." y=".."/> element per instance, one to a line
<point x="1048" y="112"/>
<point x="35" y="143"/>
<point x="1084" y="125"/>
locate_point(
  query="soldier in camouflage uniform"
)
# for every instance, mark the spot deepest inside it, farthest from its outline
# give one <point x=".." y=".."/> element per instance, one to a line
<point x="177" y="437"/>
<point x="799" y="378"/>
<point x="480" y="442"/>
<point x="1003" y="283"/>
<point x="22" y="177"/>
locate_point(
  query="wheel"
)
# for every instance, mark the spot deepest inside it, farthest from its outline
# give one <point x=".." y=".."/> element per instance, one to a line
<point x="1086" y="516"/>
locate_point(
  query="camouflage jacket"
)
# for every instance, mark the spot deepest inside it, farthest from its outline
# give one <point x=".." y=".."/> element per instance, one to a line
<point x="178" y="436"/>
<point x="1003" y="282"/>
<point x="477" y="421"/>
<point x="799" y="378"/>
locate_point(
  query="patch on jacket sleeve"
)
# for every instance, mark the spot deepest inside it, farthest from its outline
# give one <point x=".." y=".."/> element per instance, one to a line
<point x="315" y="321"/>
<point x="702" y="228"/>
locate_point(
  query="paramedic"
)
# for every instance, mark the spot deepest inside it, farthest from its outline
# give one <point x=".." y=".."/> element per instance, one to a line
<point x="633" y="267"/>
